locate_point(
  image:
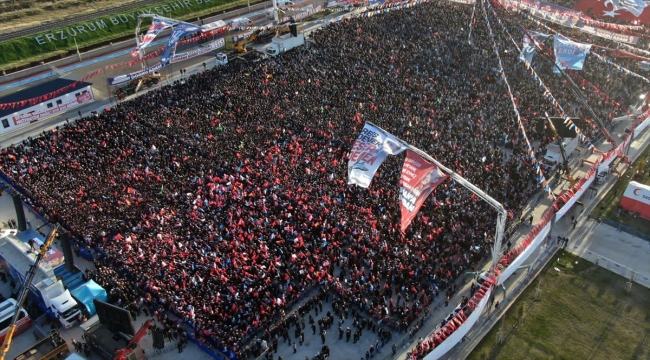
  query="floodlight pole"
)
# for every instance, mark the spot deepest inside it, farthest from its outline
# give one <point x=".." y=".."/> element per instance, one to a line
<point x="502" y="214"/>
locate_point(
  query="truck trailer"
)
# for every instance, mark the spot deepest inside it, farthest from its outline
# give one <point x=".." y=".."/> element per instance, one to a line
<point x="284" y="43"/>
<point x="52" y="347"/>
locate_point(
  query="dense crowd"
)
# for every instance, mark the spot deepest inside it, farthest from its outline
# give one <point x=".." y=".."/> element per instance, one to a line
<point x="224" y="196"/>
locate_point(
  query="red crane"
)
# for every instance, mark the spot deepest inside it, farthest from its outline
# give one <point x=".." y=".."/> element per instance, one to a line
<point x="133" y="344"/>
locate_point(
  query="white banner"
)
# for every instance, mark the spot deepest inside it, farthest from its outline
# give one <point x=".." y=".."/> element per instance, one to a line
<point x="73" y="103"/>
<point x="458" y="335"/>
<point x="134" y="75"/>
<point x="560" y="213"/>
<point x="641" y="126"/>
<point x="519" y="260"/>
<point x="368" y="152"/>
<point x="219" y="43"/>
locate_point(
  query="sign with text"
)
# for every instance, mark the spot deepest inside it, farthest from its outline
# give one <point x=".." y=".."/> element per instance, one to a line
<point x="134" y="75"/>
<point x="368" y="152"/>
<point x="105" y="23"/>
<point x="219" y="43"/>
<point x="37" y="115"/>
<point x="569" y="54"/>
<point x="419" y="178"/>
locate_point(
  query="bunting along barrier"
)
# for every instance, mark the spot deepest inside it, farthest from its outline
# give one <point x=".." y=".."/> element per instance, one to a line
<point x="471" y="22"/>
<point x="639" y="51"/>
<point x="619" y="67"/>
<point x="36" y="100"/>
<point x="547" y="92"/>
<point x="600" y="57"/>
<point x="573" y="19"/>
<point x="530" y="153"/>
<point x="512" y="260"/>
<point x="444" y="339"/>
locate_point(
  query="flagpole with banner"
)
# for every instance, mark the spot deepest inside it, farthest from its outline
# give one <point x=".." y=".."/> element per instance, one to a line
<point x="502" y="214"/>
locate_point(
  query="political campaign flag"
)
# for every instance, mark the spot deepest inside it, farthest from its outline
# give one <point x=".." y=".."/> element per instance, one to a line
<point x="368" y="152"/>
<point x="180" y="31"/>
<point x="569" y="54"/>
<point x="419" y="178"/>
<point x="157" y="25"/>
<point x="529" y="47"/>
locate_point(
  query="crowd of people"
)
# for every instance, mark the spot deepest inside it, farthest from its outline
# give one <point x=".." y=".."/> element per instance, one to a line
<point x="224" y="197"/>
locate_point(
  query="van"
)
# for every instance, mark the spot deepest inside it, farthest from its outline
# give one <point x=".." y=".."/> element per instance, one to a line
<point x="285" y="3"/>
<point x="7" y="311"/>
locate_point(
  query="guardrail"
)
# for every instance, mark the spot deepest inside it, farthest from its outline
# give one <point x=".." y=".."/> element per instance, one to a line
<point x="617" y="268"/>
<point x="624" y="228"/>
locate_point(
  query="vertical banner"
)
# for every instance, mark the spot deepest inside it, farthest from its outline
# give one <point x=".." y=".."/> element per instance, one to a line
<point x="180" y="31"/>
<point x="529" y="47"/>
<point x="157" y="25"/>
<point x="419" y="178"/>
<point x="569" y="54"/>
<point x="368" y="152"/>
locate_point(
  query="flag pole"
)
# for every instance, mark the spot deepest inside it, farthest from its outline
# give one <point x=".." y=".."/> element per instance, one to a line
<point x="502" y="214"/>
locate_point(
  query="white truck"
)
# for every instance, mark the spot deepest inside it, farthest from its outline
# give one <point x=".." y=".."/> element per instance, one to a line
<point x="553" y="149"/>
<point x="221" y="59"/>
<point x="285" y="42"/>
<point x="46" y="290"/>
<point x="61" y="303"/>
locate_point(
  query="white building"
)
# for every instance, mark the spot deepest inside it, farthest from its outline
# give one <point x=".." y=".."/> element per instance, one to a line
<point x="71" y="95"/>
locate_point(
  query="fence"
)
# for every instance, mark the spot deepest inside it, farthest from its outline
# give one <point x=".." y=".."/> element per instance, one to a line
<point x="624" y="228"/>
<point x="616" y="268"/>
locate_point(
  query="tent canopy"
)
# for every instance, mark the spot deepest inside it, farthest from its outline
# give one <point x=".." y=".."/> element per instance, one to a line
<point x="87" y="292"/>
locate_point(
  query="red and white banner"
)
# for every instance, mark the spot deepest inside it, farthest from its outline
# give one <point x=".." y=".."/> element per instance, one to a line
<point x="637" y="199"/>
<point x="418" y="180"/>
<point x="37" y="115"/>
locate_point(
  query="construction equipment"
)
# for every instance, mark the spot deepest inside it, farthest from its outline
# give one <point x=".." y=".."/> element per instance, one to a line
<point x="560" y="144"/>
<point x="122" y="354"/>
<point x="133" y="86"/>
<point x="240" y="46"/>
<point x="25" y="290"/>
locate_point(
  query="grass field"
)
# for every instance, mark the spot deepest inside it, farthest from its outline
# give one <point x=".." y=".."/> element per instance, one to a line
<point x="26" y="50"/>
<point x="583" y="312"/>
<point x="608" y="207"/>
<point x="41" y="12"/>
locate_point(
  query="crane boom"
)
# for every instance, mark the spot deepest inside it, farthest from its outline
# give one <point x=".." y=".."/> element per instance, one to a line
<point x="31" y="273"/>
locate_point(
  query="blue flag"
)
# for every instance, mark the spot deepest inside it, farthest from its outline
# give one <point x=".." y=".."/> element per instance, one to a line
<point x="569" y="54"/>
<point x="529" y="47"/>
<point x="180" y="31"/>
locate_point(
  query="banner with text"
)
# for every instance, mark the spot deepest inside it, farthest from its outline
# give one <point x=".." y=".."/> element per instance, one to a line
<point x="134" y="75"/>
<point x="219" y="43"/>
<point x="569" y="54"/>
<point x="180" y="31"/>
<point x="368" y="152"/>
<point x="529" y="47"/>
<point x="419" y="179"/>
<point x="46" y="113"/>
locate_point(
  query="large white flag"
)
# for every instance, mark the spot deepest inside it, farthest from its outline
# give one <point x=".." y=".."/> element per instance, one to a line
<point x="368" y="152"/>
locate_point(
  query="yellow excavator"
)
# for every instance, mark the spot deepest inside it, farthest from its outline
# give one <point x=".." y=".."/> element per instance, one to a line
<point x="240" y="46"/>
<point x="133" y="86"/>
<point x="29" y="277"/>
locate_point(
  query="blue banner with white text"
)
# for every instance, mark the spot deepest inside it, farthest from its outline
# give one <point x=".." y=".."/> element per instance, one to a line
<point x="180" y="31"/>
<point x="569" y="54"/>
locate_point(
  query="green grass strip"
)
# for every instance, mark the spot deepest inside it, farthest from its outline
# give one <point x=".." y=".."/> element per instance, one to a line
<point x="32" y="48"/>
